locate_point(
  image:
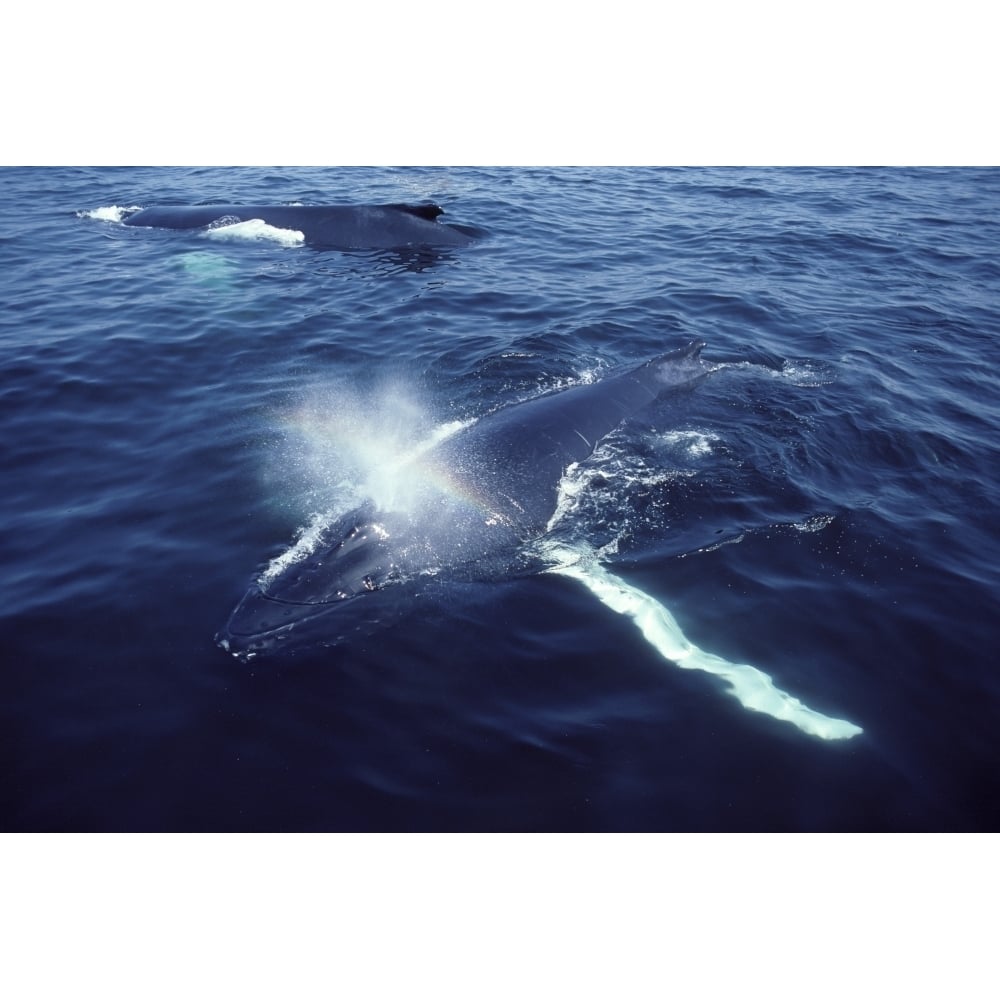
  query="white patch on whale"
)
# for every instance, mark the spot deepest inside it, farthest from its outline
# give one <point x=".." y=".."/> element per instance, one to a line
<point x="751" y="687"/>
<point x="577" y="559"/>
<point x="253" y="231"/>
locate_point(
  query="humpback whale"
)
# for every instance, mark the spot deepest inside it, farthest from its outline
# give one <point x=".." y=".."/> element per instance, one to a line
<point x="477" y="501"/>
<point x="339" y="227"/>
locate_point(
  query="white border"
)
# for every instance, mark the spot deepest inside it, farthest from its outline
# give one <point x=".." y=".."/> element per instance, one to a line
<point x="444" y="83"/>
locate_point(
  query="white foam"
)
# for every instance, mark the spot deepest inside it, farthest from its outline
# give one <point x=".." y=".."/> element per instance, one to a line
<point x="751" y="687"/>
<point x="807" y="374"/>
<point x="801" y="372"/>
<point x="570" y="487"/>
<point x="255" y="230"/>
<point x="108" y="213"/>
<point x="303" y="547"/>
<point x="610" y="462"/>
<point x="815" y="523"/>
<point x="697" y="444"/>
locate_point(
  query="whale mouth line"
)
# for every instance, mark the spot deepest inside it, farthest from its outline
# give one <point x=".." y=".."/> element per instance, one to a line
<point x="260" y="616"/>
<point x="337" y="599"/>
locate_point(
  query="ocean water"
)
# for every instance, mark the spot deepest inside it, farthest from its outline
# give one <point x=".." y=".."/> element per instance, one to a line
<point x="182" y="412"/>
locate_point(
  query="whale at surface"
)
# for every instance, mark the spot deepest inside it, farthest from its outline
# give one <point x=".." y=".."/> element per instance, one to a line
<point x="475" y="501"/>
<point x="343" y="227"/>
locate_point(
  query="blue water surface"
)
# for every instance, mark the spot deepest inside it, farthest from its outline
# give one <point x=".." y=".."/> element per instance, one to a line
<point x="178" y="408"/>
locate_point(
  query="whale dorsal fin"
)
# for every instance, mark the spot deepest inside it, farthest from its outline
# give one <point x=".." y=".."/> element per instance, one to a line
<point x="428" y="212"/>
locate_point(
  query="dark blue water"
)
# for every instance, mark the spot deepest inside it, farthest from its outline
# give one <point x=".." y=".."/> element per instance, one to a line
<point x="176" y="408"/>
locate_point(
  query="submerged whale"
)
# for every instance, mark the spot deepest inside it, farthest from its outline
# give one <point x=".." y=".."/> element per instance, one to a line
<point x="477" y="501"/>
<point x="340" y="227"/>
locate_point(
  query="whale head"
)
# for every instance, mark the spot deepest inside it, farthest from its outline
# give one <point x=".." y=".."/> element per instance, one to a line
<point x="351" y="558"/>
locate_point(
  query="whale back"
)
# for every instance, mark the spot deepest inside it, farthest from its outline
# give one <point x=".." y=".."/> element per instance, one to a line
<point x="331" y="226"/>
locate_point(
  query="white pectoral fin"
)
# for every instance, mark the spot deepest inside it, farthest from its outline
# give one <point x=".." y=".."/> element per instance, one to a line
<point x="751" y="687"/>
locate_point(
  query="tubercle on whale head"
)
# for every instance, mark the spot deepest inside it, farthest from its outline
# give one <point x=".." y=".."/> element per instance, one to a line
<point x="353" y="555"/>
<point x="355" y="561"/>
